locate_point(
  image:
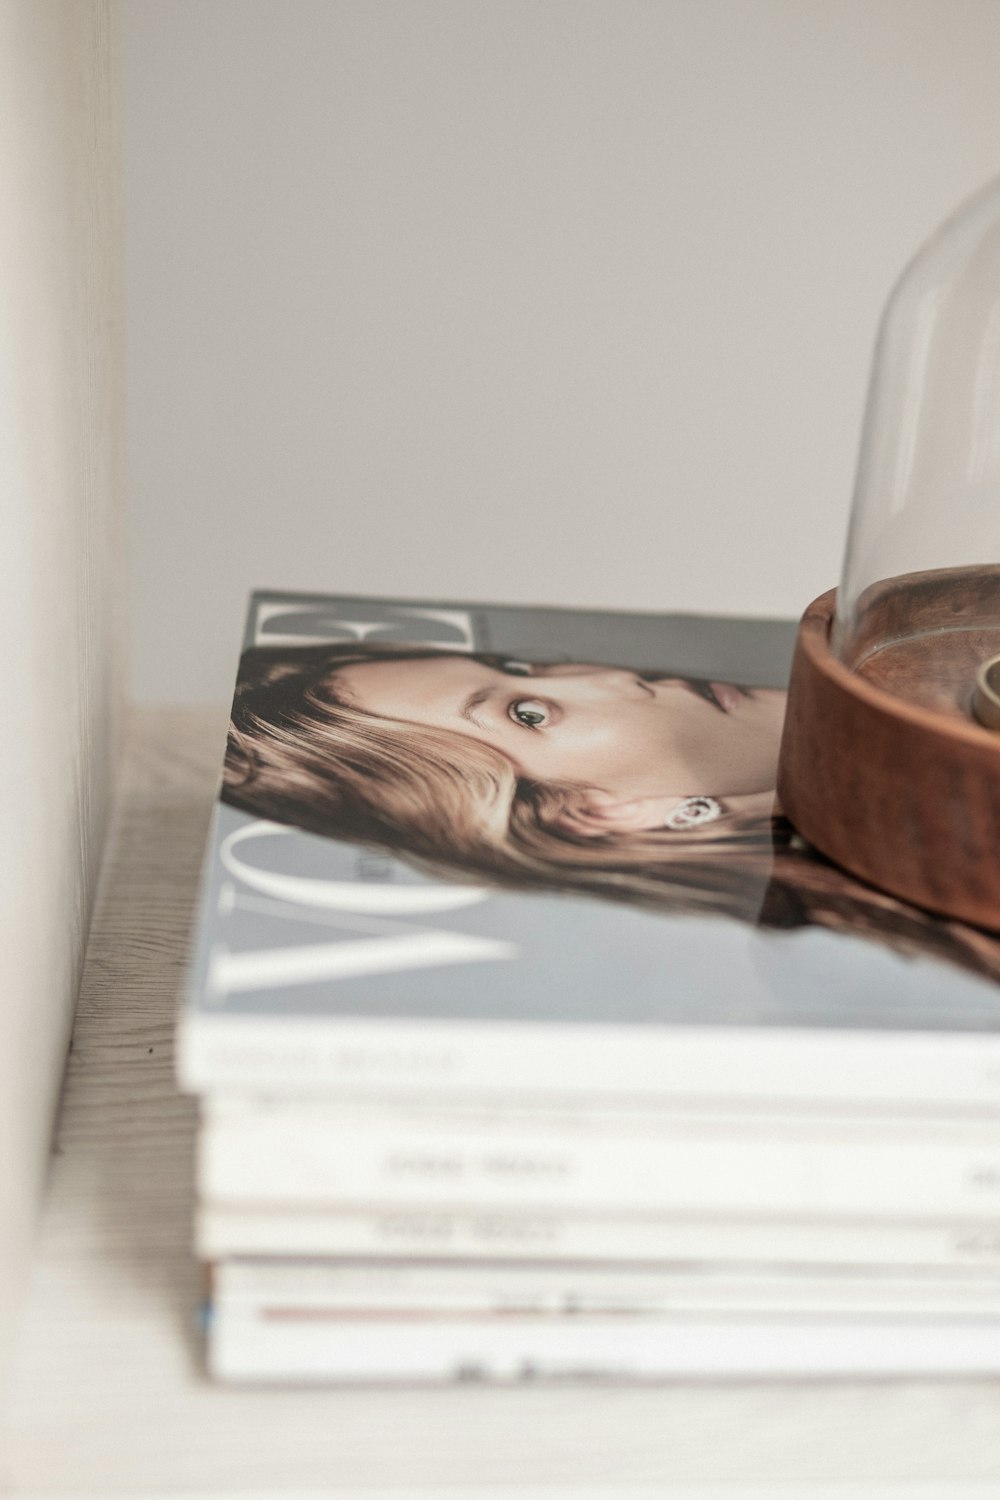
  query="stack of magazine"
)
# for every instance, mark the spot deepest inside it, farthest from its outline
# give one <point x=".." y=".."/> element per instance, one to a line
<point x="533" y="1042"/>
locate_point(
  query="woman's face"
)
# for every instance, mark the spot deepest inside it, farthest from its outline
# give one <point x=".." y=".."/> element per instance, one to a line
<point x="599" y="727"/>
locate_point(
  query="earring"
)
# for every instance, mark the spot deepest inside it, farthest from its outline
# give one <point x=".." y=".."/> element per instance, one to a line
<point x="692" y="812"/>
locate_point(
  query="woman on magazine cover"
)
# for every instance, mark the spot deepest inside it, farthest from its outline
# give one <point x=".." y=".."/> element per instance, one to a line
<point x="598" y="780"/>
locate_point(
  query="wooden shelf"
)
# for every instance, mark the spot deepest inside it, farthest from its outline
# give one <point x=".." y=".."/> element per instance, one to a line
<point x="109" y="1397"/>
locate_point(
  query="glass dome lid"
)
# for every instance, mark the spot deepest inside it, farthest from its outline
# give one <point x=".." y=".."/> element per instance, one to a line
<point x="923" y="550"/>
<point x="890" y="756"/>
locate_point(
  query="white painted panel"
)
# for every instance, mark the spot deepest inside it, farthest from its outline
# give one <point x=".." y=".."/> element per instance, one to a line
<point x="565" y="301"/>
<point x="60" y="563"/>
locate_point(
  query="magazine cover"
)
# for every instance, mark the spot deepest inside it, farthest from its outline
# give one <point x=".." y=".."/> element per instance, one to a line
<point x="466" y="846"/>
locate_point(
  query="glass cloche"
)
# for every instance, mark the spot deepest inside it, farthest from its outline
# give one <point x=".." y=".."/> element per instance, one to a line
<point x="923" y="550"/>
<point x="886" y="765"/>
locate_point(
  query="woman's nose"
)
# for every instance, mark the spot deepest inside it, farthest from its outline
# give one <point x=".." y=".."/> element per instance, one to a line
<point x="591" y="679"/>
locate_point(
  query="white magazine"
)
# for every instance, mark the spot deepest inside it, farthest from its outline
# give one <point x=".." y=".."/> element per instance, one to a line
<point x="542" y="1235"/>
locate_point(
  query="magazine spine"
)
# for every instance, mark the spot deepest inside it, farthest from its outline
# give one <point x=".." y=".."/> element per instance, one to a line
<point x="244" y="1346"/>
<point x="312" y="1288"/>
<point x="682" y="1171"/>
<point x="490" y="1235"/>
<point x="508" y="1063"/>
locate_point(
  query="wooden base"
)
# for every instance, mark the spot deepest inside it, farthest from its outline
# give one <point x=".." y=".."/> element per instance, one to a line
<point x="882" y="767"/>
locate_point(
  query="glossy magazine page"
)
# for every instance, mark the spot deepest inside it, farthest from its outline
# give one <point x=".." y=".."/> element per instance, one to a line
<point x="448" y="817"/>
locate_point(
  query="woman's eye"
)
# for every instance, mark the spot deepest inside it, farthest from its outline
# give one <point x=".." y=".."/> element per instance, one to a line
<point x="517" y="668"/>
<point x="529" y="712"/>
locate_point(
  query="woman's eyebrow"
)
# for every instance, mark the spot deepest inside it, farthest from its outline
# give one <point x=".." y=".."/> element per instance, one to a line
<point x="472" y="702"/>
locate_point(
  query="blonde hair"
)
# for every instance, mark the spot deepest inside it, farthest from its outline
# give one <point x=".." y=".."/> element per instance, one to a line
<point x="297" y="754"/>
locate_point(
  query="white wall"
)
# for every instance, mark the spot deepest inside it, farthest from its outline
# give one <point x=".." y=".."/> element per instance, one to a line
<point x="60" y="560"/>
<point x="555" y="300"/>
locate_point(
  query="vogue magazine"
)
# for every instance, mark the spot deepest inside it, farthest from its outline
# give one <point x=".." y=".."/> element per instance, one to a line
<point x="537" y="852"/>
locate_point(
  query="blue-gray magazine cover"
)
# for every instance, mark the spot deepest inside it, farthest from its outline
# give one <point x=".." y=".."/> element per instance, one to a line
<point x="448" y="811"/>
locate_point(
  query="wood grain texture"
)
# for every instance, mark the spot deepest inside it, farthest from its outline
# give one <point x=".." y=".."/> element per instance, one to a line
<point x="109" y="1396"/>
<point x="882" y="767"/>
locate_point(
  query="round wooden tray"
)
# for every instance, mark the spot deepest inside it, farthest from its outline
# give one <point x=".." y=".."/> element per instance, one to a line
<point x="882" y="767"/>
